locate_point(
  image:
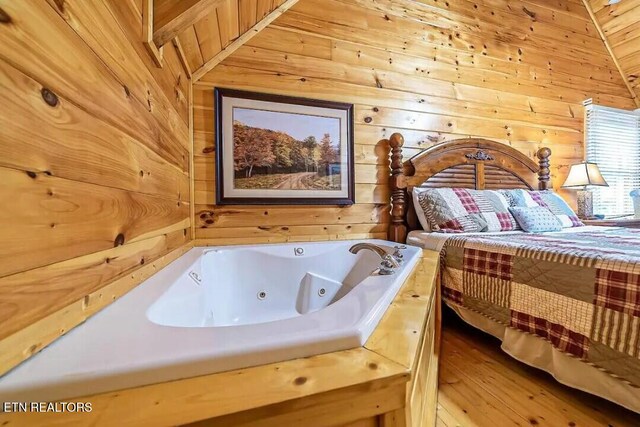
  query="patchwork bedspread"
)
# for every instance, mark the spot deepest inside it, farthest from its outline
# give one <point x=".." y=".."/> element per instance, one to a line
<point x="578" y="290"/>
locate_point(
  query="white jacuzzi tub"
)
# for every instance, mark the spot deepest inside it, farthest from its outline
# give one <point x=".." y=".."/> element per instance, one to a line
<point x="216" y="309"/>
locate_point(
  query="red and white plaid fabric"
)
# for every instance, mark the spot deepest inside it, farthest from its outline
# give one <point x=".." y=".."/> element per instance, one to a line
<point x="618" y="290"/>
<point x="562" y="338"/>
<point x="507" y="222"/>
<point x="467" y="200"/>
<point x="452" y="295"/>
<point x="488" y="263"/>
<point x="452" y="226"/>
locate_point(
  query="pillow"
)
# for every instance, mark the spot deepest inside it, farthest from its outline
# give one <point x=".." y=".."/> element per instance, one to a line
<point x="419" y="212"/>
<point x="549" y="200"/>
<point x="536" y="219"/>
<point x="458" y="210"/>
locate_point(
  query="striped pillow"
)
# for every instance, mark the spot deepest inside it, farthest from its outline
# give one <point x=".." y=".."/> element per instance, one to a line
<point x="547" y="199"/>
<point x="459" y="210"/>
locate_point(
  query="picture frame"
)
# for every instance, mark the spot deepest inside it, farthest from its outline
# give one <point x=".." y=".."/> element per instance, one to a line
<point x="282" y="150"/>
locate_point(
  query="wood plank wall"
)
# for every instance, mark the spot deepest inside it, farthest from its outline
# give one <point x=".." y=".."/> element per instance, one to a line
<point x="94" y="158"/>
<point x="515" y="71"/>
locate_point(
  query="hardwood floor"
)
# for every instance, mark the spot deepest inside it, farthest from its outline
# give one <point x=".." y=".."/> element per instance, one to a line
<point x="482" y="386"/>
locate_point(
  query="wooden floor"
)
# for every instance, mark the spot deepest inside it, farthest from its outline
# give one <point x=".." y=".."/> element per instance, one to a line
<point x="482" y="386"/>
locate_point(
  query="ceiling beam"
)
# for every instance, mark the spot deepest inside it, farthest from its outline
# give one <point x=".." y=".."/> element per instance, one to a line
<point x="237" y="43"/>
<point x="147" y="33"/>
<point x="603" y="36"/>
<point x="182" y="57"/>
<point x="171" y="17"/>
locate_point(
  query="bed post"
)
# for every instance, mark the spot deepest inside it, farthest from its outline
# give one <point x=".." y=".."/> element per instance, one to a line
<point x="398" y="227"/>
<point x="544" y="173"/>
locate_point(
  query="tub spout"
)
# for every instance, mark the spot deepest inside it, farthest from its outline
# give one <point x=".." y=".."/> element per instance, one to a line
<point x="388" y="262"/>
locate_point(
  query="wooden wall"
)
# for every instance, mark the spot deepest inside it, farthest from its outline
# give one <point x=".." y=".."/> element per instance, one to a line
<point x="514" y="71"/>
<point x="620" y="24"/>
<point x="94" y="160"/>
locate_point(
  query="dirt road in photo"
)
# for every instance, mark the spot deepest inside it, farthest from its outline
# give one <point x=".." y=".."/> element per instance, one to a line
<point x="294" y="181"/>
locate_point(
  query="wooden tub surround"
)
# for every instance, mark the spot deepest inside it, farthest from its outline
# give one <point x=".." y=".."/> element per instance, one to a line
<point x="474" y="163"/>
<point x="390" y="381"/>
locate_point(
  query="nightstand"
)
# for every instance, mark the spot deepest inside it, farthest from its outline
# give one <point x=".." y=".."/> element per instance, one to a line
<point x="619" y="222"/>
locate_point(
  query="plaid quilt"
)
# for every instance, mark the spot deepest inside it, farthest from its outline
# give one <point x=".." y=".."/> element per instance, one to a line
<point x="578" y="290"/>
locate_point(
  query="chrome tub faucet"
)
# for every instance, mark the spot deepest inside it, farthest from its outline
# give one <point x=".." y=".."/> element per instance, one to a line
<point x="387" y="261"/>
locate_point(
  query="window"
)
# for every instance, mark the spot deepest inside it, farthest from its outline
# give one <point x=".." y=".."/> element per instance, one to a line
<point x="613" y="142"/>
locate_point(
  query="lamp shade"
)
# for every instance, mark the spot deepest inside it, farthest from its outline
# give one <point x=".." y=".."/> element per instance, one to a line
<point x="583" y="174"/>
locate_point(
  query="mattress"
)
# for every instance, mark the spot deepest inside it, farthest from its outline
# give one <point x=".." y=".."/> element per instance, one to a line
<point x="575" y="293"/>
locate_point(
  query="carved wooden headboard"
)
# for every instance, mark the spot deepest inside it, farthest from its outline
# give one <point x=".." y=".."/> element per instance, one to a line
<point x="463" y="163"/>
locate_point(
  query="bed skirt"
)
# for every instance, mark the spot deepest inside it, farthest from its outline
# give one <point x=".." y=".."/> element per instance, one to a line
<point x="565" y="369"/>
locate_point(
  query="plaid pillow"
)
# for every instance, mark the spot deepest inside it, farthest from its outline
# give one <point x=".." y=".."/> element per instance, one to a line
<point x="547" y="199"/>
<point x="458" y="210"/>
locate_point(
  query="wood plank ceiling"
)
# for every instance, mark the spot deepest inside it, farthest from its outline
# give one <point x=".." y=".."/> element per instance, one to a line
<point x="620" y="24"/>
<point x="220" y="27"/>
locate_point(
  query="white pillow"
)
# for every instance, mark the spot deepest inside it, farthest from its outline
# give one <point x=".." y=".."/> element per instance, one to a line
<point x="416" y="207"/>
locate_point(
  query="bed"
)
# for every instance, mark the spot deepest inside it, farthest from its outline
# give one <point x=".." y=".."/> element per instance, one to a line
<point x="567" y="302"/>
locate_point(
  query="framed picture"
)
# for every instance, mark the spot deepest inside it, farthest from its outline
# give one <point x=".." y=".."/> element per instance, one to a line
<point x="282" y="150"/>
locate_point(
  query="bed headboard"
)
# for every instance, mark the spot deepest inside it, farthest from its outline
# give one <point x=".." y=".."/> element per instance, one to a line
<point x="465" y="163"/>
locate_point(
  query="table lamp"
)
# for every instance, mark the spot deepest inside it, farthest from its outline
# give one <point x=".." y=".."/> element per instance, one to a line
<point x="581" y="176"/>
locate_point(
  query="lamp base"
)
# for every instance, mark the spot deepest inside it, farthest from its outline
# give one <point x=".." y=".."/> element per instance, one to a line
<point x="585" y="204"/>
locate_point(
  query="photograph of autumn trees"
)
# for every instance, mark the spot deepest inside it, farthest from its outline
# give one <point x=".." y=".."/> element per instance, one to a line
<point x="285" y="151"/>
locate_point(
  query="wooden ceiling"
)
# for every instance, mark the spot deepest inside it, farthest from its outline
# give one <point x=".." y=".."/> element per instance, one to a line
<point x="620" y="24"/>
<point x="220" y="27"/>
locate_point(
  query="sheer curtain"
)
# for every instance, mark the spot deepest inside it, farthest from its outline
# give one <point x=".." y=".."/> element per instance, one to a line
<point x="613" y="142"/>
